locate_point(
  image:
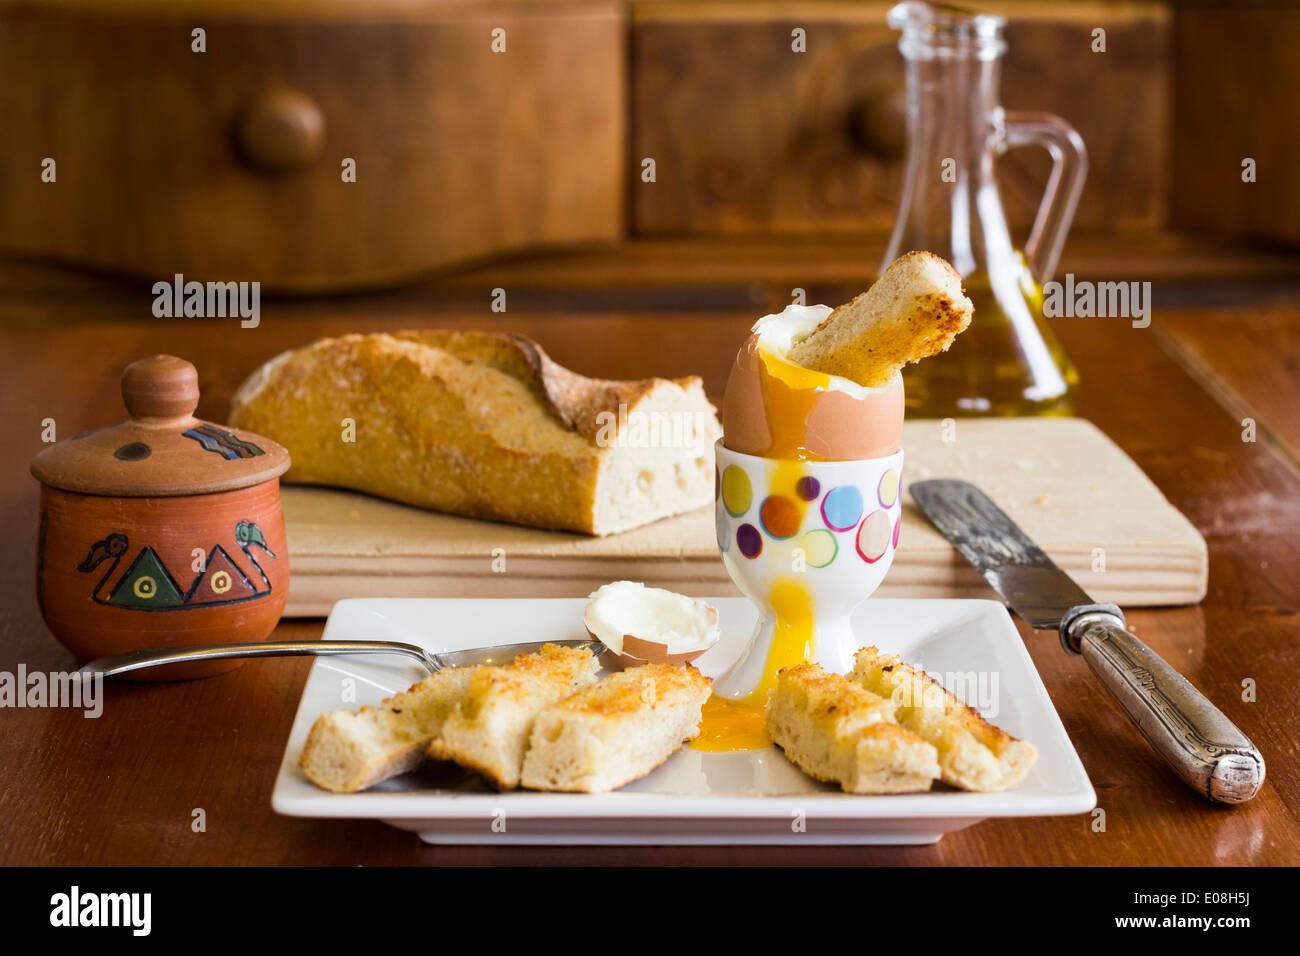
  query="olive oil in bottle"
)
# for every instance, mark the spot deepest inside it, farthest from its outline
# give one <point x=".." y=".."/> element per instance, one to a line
<point x="1008" y="362"/>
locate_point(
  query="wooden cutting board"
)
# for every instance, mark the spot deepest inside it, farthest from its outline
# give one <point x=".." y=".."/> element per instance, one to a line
<point x="1068" y="485"/>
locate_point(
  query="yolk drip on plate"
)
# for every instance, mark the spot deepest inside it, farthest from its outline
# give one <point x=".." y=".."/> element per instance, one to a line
<point x="740" y="724"/>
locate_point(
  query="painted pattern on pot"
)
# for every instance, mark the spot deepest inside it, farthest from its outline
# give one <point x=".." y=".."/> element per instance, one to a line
<point x="148" y="585"/>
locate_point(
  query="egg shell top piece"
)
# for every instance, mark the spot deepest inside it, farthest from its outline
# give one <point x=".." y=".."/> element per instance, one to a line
<point x="639" y="625"/>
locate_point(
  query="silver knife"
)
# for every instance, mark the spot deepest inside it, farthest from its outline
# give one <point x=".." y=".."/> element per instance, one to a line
<point x="1202" y="746"/>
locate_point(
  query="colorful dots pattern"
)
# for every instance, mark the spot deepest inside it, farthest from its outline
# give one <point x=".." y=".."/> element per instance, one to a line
<point x="874" y="535"/>
<point x="887" y="490"/>
<point x="780" y="516"/>
<point x="737" y="491"/>
<point x="819" y="547"/>
<point x="842" y="507"/>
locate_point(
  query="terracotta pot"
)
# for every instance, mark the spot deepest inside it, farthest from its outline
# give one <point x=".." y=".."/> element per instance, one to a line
<point x="162" y="531"/>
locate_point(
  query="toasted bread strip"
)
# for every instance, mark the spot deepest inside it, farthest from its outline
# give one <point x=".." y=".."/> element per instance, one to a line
<point x="488" y="732"/>
<point x="914" y="310"/>
<point x="834" y="730"/>
<point x="973" y="754"/>
<point x="348" y="751"/>
<point x="612" y="732"/>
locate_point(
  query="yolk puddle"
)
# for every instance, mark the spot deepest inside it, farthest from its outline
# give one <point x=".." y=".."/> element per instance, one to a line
<point x="740" y="724"/>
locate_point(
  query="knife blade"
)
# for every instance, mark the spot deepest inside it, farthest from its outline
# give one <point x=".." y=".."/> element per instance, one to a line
<point x="1203" y="747"/>
<point x="1007" y="558"/>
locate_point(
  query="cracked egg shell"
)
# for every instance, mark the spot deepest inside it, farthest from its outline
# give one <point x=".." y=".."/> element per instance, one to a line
<point x="642" y="625"/>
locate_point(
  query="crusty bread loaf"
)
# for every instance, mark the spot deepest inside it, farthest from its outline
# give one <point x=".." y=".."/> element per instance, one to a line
<point x="973" y="754"/>
<point x="488" y="731"/>
<point x="485" y="425"/>
<point x="914" y="310"/>
<point x="617" y="730"/>
<point x="348" y="751"/>
<point x="834" y="730"/>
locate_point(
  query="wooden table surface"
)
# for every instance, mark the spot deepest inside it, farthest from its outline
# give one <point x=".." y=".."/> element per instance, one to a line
<point x="123" y="789"/>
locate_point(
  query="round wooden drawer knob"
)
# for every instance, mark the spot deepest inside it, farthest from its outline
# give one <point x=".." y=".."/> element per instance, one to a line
<point x="161" y="386"/>
<point x="281" y="130"/>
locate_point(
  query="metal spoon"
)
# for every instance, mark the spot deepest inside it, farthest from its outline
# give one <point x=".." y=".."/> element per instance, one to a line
<point x="501" y="654"/>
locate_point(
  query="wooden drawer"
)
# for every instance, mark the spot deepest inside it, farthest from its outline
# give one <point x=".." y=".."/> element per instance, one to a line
<point x="227" y="164"/>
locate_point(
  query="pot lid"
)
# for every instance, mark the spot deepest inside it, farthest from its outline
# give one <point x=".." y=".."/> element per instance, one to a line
<point x="162" y="450"/>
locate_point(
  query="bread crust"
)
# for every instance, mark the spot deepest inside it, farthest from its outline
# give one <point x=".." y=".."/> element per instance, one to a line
<point x="973" y="753"/>
<point x="489" y="729"/>
<point x="347" y="751"/>
<point x="616" y="731"/>
<point x="836" y="731"/>
<point x="576" y="400"/>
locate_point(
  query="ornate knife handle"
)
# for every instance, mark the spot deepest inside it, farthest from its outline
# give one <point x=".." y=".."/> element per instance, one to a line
<point x="1199" y="743"/>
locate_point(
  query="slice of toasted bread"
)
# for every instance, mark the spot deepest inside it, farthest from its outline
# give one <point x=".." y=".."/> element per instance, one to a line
<point x="348" y="751"/>
<point x="612" y="732"/>
<point x="488" y="731"/>
<point x="973" y="754"/>
<point x="834" y="730"/>
<point x="914" y="310"/>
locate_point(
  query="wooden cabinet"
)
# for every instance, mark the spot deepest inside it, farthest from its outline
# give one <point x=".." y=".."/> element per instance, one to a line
<point x="228" y="164"/>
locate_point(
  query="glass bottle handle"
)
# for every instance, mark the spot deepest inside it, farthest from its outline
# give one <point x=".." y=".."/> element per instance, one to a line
<point x="1061" y="197"/>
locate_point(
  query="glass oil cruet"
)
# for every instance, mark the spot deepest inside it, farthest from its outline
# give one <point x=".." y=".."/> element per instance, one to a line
<point x="1008" y="362"/>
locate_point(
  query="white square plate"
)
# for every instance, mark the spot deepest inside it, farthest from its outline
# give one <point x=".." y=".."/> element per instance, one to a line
<point x="751" y="797"/>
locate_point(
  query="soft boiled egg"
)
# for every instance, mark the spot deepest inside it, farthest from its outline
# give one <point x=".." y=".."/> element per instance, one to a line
<point x="773" y="408"/>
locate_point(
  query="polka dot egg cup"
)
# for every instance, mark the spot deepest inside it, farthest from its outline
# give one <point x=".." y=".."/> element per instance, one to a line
<point x="824" y="532"/>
